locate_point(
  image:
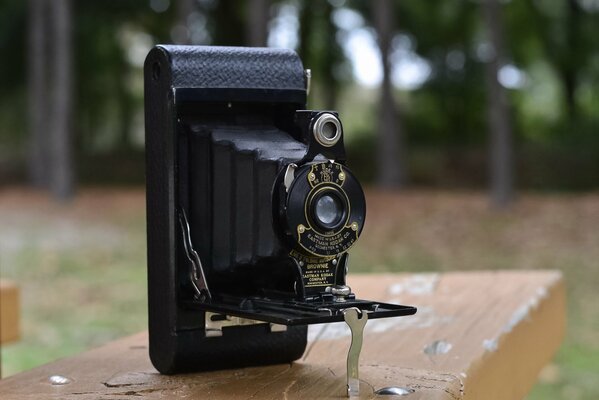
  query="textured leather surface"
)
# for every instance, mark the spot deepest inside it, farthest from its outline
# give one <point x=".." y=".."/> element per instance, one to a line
<point x="246" y="162"/>
<point x="235" y="67"/>
<point x="239" y="347"/>
<point x="177" y="336"/>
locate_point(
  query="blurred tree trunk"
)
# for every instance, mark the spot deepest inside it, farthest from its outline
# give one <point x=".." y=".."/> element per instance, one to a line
<point x="306" y="19"/>
<point x="228" y="20"/>
<point x="37" y="86"/>
<point x="61" y="173"/>
<point x="182" y="34"/>
<point x="304" y="49"/>
<point x="257" y="17"/>
<point x="126" y="106"/>
<point x="498" y="111"/>
<point x="320" y="51"/>
<point x="331" y="83"/>
<point x="570" y="66"/>
<point x="390" y="152"/>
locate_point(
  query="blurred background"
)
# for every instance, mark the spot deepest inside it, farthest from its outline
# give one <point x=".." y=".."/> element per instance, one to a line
<point x="473" y="124"/>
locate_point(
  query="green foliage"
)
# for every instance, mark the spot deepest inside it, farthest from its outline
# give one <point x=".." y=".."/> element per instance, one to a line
<point x="13" y="44"/>
<point x="106" y="100"/>
<point x="226" y="22"/>
<point x="321" y="51"/>
<point x="554" y="112"/>
<point x="81" y="292"/>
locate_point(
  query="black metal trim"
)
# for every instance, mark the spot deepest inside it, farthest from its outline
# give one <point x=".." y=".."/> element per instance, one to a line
<point x="294" y="313"/>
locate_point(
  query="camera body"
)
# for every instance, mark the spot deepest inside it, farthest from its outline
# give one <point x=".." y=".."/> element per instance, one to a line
<point x="250" y="209"/>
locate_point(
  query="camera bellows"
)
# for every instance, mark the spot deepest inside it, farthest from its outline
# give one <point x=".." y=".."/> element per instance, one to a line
<point x="240" y="169"/>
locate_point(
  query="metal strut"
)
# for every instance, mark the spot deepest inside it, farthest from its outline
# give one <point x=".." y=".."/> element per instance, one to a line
<point x="196" y="273"/>
<point x="356" y="325"/>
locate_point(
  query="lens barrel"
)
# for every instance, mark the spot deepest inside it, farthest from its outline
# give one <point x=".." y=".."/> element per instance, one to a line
<point x="324" y="209"/>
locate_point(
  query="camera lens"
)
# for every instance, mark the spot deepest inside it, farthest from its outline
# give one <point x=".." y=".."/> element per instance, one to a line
<point x="324" y="208"/>
<point x="328" y="210"/>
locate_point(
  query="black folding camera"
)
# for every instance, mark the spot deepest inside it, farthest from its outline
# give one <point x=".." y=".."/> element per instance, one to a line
<point x="250" y="209"/>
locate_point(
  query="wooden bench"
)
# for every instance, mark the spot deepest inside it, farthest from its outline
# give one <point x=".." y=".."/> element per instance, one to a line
<point x="477" y="335"/>
<point x="9" y="312"/>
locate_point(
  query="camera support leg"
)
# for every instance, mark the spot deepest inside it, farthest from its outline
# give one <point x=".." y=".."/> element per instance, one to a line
<point x="356" y="320"/>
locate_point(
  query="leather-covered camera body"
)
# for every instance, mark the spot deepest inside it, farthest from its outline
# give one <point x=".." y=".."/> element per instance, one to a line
<point x="251" y="209"/>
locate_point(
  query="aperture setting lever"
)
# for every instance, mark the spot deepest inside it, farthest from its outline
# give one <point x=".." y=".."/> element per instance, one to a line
<point x="356" y="320"/>
<point x="196" y="273"/>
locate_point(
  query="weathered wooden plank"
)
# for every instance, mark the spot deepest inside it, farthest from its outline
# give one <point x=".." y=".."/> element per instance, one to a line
<point x="9" y="312"/>
<point x="476" y="335"/>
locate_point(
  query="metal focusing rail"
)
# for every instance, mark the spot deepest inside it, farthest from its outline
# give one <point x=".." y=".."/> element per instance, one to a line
<point x="293" y="312"/>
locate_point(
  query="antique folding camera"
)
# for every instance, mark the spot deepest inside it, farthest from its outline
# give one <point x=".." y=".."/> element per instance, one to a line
<point x="251" y="210"/>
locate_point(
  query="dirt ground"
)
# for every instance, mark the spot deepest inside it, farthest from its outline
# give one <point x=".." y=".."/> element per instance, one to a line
<point x="81" y="265"/>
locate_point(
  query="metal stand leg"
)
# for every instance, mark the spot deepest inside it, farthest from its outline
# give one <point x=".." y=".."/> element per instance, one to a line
<point x="356" y="325"/>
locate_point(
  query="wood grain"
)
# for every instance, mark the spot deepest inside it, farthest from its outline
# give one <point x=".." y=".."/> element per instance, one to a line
<point x="477" y="335"/>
